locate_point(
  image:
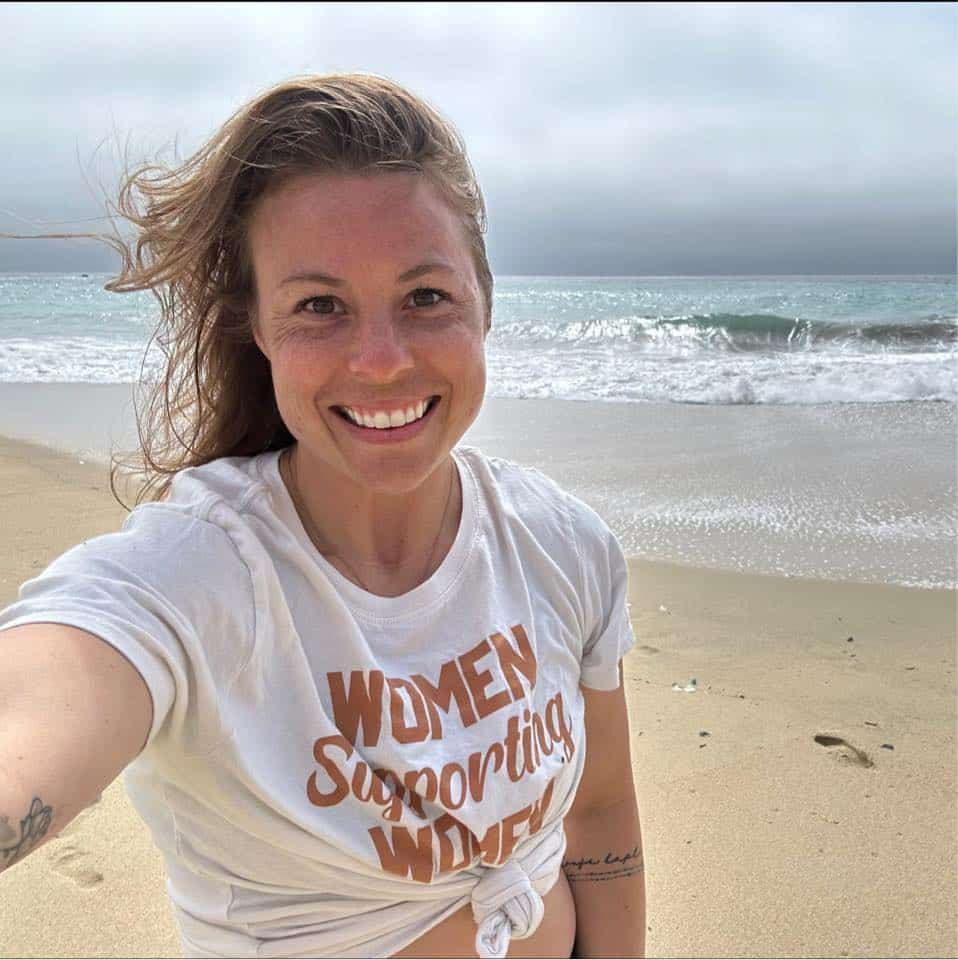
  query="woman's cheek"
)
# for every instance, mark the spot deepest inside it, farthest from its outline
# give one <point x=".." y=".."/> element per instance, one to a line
<point x="290" y="407"/>
<point x="476" y="381"/>
<point x="296" y="381"/>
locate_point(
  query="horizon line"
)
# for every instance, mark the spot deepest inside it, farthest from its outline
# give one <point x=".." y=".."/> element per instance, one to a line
<point x="566" y="276"/>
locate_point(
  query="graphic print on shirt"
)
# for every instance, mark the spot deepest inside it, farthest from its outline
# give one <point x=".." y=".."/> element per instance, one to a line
<point x="358" y="707"/>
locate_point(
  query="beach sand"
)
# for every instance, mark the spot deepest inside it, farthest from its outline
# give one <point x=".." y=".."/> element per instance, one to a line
<point x="760" y="842"/>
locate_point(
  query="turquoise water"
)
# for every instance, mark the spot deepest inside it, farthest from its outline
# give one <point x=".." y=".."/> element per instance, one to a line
<point x="709" y="340"/>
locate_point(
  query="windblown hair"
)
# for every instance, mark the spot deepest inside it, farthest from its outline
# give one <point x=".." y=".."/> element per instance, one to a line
<point x="215" y="397"/>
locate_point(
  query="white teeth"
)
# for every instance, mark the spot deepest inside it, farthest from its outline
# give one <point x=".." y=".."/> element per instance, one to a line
<point x="381" y="420"/>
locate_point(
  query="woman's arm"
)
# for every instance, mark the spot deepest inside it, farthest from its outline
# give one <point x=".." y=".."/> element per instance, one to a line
<point x="73" y="713"/>
<point x="603" y="859"/>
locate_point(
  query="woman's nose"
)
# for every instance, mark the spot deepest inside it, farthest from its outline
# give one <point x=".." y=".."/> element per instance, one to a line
<point x="379" y="352"/>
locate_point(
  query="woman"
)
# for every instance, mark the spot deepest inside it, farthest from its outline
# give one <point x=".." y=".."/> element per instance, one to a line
<point x="350" y="667"/>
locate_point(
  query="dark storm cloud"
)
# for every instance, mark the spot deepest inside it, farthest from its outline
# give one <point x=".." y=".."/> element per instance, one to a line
<point x="609" y="138"/>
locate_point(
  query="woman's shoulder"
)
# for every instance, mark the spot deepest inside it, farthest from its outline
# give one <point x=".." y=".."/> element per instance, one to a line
<point x="166" y="542"/>
<point x="231" y="481"/>
<point x="533" y="496"/>
<point x="508" y="475"/>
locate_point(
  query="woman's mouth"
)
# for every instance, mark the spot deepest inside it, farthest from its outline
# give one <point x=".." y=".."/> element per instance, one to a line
<point x="393" y="422"/>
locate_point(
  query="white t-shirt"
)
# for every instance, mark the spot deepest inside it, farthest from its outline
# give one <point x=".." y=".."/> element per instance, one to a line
<point x="330" y="772"/>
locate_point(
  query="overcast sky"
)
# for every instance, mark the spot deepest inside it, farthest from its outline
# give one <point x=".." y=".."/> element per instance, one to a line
<point x="609" y="139"/>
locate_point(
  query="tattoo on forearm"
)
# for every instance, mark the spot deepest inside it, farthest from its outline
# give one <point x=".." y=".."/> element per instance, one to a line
<point x="610" y="875"/>
<point x="611" y="867"/>
<point x="33" y="828"/>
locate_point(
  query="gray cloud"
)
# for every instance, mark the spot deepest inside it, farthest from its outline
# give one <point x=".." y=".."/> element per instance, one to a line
<point x="609" y="138"/>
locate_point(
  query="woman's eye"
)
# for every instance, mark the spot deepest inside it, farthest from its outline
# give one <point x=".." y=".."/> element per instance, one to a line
<point x="428" y="297"/>
<point x="317" y="305"/>
<point x="329" y="306"/>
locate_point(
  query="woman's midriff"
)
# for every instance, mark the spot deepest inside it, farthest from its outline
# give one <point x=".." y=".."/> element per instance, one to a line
<point x="456" y="935"/>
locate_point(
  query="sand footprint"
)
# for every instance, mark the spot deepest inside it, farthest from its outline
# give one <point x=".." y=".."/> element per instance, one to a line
<point x="69" y="861"/>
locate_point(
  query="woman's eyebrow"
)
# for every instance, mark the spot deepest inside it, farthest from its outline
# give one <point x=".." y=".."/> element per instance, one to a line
<point x="312" y="276"/>
<point x="423" y="268"/>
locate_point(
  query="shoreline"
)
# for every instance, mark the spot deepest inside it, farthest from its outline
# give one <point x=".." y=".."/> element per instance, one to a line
<point x="854" y="493"/>
<point x="759" y="840"/>
<point x="65" y="467"/>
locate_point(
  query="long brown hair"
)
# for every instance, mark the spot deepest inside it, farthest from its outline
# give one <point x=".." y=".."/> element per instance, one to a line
<point x="215" y="396"/>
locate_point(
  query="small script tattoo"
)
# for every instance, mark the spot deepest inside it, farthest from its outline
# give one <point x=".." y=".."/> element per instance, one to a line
<point x="616" y="866"/>
<point x="33" y="828"/>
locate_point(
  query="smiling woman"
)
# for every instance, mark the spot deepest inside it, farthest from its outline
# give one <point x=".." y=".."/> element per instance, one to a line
<point x="360" y="669"/>
<point x="346" y="366"/>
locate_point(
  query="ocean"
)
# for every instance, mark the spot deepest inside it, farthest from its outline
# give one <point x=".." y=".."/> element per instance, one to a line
<point x="793" y="426"/>
<point x="712" y="340"/>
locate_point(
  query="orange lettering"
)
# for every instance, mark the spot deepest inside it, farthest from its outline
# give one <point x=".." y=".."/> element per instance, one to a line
<point x="477" y="682"/>
<point x="478" y="767"/>
<point x="445" y="786"/>
<point x="402" y="733"/>
<point x="374" y="790"/>
<point x="557" y="726"/>
<point x="411" y="781"/>
<point x="488" y="846"/>
<point x="509" y="837"/>
<point x="405" y="855"/>
<point x="450" y="685"/>
<point x="529" y="762"/>
<point x="539" y="808"/>
<point x="395" y="793"/>
<point x="544" y="743"/>
<point x="359" y="778"/>
<point x="523" y="660"/>
<point x="447" y="853"/>
<point x="362" y="703"/>
<point x="336" y="795"/>
<point x="512" y="749"/>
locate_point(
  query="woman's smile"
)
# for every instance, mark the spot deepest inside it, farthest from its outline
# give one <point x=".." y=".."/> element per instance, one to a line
<point x="388" y="423"/>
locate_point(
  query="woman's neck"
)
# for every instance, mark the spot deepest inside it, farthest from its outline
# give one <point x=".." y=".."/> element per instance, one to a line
<point x="386" y="544"/>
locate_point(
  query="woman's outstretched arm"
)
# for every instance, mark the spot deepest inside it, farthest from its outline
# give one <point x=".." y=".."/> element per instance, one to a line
<point x="73" y="713"/>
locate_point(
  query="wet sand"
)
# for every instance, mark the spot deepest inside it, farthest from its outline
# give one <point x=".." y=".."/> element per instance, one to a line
<point x="860" y="492"/>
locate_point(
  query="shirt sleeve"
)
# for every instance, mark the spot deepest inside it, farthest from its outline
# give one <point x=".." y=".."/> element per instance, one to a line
<point x="607" y="634"/>
<point x="147" y="591"/>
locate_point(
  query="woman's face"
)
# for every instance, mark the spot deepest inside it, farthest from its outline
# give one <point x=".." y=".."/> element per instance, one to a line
<point x="369" y="309"/>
